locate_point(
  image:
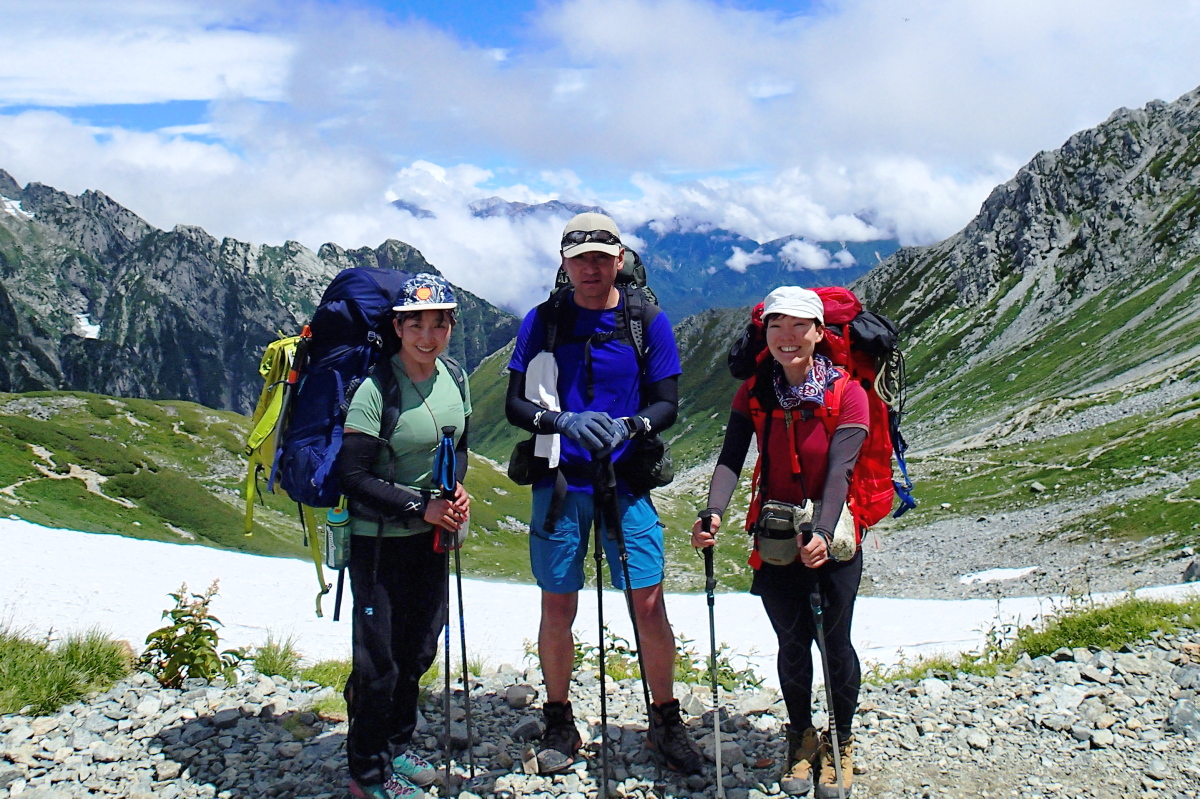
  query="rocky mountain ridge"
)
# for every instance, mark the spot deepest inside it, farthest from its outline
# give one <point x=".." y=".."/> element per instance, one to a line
<point x="93" y="298"/>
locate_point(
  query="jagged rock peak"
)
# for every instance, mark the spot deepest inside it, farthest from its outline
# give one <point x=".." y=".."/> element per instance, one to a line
<point x="9" y="187"/>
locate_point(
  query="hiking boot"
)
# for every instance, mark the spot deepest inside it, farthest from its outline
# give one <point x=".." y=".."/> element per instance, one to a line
<point x="827" y="787"/>
<point x="670" y="739"/>
<point x="414" y="769"/>
<point x="561" y="739"/>
<point x="797" y="777"/>
<point x="394" y="788"/>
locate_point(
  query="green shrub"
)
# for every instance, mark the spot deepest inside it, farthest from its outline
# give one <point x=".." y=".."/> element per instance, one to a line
<point x="278" y="658"/>
<point x="188" y="646"/>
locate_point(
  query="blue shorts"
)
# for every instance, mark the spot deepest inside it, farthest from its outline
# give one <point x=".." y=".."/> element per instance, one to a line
<point x="557" y="558"/>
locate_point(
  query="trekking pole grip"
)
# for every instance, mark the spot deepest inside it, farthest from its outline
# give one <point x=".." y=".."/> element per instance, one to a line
<point x="710" y="580"/>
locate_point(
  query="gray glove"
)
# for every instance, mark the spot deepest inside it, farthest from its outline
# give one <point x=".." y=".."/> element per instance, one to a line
<point x="593" y="429"/>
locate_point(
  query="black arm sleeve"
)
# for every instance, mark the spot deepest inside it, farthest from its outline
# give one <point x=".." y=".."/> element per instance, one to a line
<point x="521" y="412"/>
<point x="660" y="403"/>
<point x="354" y="462"/>
<point x="460" y="453"/>
<point x="738" y="433"/>
<point x="843" y="454"/>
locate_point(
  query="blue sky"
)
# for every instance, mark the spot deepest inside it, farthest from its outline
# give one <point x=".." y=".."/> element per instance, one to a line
<point x="269" y="120"/>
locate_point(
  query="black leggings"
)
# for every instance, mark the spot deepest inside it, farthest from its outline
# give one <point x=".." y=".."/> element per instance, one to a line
<point x="785" y="592"/>
<point x="398" y="616"/>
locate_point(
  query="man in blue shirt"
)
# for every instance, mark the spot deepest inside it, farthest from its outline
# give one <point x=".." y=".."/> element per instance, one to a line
<point x="595" y="398"/>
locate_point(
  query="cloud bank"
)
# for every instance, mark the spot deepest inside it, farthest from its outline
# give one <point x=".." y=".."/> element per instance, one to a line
<point x="857" y="120"/>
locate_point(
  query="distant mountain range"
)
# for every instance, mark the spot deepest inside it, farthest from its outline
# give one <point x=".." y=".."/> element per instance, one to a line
<point x="93" y="298"/>
<point x="694" y="267"/>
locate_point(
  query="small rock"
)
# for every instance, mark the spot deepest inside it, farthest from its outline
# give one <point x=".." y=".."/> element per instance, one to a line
<point x="1102" y="739"/>
<point x="107" y="753"/>
<point x="1036" y="487"/>
<point x="227" y="718"/>
<point x="1192" y="573"/>
<point x="692" y="705"/>
<point x="756" y="704"/>
<point x="977" y="739"/>
<point x="1157" y="769"/>
<point x="937" y="690"/>
<point x="519" y="696"/>
<point x="167" y="770"/>
<point x="43" y="725"/>
<point x="529" y="729"/>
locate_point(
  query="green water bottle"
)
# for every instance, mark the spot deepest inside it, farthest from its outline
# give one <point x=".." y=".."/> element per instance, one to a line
<point x="337" y="536"/>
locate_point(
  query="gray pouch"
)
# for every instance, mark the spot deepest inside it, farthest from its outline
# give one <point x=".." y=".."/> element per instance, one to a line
<point x="776" y="529"/>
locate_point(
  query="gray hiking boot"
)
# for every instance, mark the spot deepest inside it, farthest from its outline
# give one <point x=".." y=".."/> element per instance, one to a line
<point x="668" y="736"/>
<point x="797" y="777"/>
<point x="560" y="741"/>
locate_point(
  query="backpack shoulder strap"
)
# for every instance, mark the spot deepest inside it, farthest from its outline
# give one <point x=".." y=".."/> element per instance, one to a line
<point x="833" y="401"/>
<point x="389" y="392"/>
<point x="554" y="315"/>
<point x="638" y="315"/>
<point x="456" y="371"/>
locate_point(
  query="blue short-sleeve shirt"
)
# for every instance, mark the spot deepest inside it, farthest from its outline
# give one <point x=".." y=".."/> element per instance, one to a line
<point x="616" y="385"/>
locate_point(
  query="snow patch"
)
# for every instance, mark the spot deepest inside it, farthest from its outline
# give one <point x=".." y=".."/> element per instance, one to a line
<point x="83" y="324"/>
<point x="13" y="208"/>
<point x="996" y="575"/>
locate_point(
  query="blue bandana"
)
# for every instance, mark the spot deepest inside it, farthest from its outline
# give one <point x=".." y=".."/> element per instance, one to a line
<point x="820" y="377"/>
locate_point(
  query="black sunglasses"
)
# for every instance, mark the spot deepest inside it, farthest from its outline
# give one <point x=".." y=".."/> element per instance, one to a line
<point x="584" y="236"/>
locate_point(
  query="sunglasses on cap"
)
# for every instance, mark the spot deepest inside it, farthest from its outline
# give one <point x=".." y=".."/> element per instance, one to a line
<point x="584" y="236"/>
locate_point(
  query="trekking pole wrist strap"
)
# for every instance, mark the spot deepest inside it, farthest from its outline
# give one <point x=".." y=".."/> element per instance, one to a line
<point x="638" y="426"/>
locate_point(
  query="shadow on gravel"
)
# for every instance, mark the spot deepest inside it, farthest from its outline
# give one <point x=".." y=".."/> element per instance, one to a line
<point x="244" y="751"/>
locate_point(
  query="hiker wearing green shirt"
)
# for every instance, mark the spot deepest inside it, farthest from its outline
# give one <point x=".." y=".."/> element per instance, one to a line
<point x="397" y="578"/>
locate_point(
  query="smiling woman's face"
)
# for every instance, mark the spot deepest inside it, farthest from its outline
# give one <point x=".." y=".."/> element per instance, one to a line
<point x="792" y="340"/>
<point x="424" y="336"/>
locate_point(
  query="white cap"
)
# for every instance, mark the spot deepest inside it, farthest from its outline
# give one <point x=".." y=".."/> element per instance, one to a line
<point x="794" y="301"/>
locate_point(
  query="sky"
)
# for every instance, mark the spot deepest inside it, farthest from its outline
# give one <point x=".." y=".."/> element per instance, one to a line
<point x="47" y="597"/>
<point x="834" y="120"/>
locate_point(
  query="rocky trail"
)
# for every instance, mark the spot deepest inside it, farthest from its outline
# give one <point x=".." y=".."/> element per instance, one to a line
<point x="1079" y="724"/>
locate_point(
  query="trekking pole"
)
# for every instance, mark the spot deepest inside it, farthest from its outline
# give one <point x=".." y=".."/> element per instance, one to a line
<point x="445" y="474"/>
<point x="612" y="511"/>
<point x="599" y="556"/>
<point x="462" y="637"/>
<point x="710" y="586"/>
<point x="818" y="612"/>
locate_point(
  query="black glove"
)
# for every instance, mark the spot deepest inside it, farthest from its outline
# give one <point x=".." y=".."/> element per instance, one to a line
<point x="593" y="429"/>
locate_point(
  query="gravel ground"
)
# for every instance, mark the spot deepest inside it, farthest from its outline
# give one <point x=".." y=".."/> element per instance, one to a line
<point x="1083" y="723"/>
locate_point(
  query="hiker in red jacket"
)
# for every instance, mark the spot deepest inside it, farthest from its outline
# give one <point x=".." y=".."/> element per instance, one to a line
<point x="804" y="533"/>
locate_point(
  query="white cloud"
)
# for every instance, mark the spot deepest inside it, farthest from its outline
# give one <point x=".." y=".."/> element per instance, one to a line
<point x="742" y="260"/>
<point x="803" y="255"/>
<point x="844" y="259"/>
<point x="846" y="125"/>
<point x="71" y="52"/>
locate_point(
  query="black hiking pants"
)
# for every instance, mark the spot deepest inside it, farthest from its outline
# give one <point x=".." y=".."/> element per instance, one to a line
<point x="399" y="611"/>
<point x="785" y="592"/>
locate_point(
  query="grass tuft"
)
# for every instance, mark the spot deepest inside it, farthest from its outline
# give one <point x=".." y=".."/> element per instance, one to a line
<point x="38" y="679"/>
<point x="278" y="658"/>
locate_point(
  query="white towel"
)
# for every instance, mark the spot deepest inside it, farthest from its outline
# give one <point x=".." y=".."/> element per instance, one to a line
<point x="541" y="388"/>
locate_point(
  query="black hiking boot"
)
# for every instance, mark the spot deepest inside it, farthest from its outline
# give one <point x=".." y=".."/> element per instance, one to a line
<point x="561" y="739"/>
<point x="670" y="739"/>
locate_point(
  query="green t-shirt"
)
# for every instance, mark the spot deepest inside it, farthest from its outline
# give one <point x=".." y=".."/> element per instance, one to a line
<point x="425" y="408"/>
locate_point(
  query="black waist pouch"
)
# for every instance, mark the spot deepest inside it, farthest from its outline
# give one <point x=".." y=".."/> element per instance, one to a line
<point x="525" y="468"/>
<point x="648" y="464"/>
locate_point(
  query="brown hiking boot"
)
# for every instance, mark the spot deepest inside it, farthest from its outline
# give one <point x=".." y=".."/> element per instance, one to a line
<point x="827" y="787"/>
<point x="797" y="777"/>
<point x="668" y="737"/>
<point x="560" y="741"/>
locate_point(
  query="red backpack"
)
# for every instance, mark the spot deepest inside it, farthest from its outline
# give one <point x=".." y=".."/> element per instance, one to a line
<point x="863" y="345"/>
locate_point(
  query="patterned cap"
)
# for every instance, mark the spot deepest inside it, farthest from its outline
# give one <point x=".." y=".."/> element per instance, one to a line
<point x="426" y="292"/>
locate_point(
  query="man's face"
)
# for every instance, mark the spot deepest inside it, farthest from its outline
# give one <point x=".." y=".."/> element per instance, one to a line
<point x="593" y="274"/>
